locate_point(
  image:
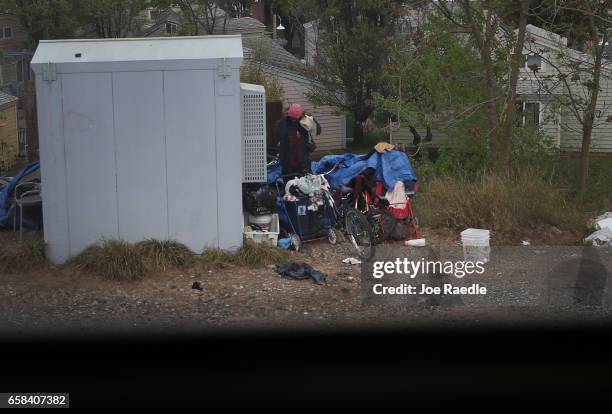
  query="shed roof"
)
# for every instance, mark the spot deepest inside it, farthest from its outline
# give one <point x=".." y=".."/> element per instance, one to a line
<point x="240" y="25"/>
<point x="272" y="52"/>
<point x="138" y="49"/>
<point x="6" y="99"/>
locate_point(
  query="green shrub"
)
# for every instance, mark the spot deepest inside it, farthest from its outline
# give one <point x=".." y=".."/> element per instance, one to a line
<point x="113" y="260"/>
<point x="22" y="256"/>
<point x="598" y="197"/>
<point x="161" y="254"/>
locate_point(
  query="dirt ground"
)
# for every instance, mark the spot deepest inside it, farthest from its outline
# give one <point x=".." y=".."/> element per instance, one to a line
<point x="65" y="300"/>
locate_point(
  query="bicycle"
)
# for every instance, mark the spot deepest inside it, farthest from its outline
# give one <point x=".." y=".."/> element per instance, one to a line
<point x="349" y="221"/>
<point x="364" y="199"/>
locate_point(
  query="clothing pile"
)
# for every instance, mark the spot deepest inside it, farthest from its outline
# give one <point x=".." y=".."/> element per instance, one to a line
<point x="300" y="271"/>
<point x="313" y="186"/>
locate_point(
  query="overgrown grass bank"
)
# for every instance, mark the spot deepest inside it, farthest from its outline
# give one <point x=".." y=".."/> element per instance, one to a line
<point x="251" y="254"/>
<point x="510" y="205"/>
<point x="161" y="254"/>
<point x="118" y="260"/>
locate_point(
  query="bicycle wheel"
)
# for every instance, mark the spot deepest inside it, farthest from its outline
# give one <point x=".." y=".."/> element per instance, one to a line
<point x="383" y="223"/>
<point x="359" y="232"/>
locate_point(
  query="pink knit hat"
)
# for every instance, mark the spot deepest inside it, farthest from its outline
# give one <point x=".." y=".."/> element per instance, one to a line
<point x="295" y="111"/>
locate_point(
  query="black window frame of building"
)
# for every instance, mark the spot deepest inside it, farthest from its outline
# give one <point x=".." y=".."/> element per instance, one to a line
<point x="527" y="116"/>
<point x="533" y="56"/>
<point x="171" y="26"/>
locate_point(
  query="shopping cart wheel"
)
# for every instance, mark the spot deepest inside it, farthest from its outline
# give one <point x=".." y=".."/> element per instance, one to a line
<point x="296" y="242"/>
<point x="332" y="236"/>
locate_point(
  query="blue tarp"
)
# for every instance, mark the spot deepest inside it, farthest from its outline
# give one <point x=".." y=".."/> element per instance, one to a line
<point x="275" y="171"/>
<point x="390" y="167"/>
<point x="5" y="193"/>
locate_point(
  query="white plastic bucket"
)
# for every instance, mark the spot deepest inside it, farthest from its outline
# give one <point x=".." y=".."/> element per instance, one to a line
<point x="476" y="245"/>
<point x="263" y="221"/>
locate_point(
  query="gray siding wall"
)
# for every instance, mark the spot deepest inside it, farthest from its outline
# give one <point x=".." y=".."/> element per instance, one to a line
<point x="333" y="126"/>
<point x="601" y="140"/>
<point x="564" y="128"/>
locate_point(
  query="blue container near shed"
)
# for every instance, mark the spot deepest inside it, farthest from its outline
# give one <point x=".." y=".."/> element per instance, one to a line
<point x="295" y="217"/>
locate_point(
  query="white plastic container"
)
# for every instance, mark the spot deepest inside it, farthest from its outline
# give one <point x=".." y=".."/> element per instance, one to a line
<point x="263" y="221"/>
<point x="270" y="237"/>
<point x="415" y="243"/>
<point x="476" y="246"/>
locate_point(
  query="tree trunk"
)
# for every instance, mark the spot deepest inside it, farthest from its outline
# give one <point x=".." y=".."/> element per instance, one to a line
<point x="510" y="109"/>
<point x="483" y="40"/>
<point x="358" y="138"/>
<point x="589" y="116"/>
<point x="587" y="132"/>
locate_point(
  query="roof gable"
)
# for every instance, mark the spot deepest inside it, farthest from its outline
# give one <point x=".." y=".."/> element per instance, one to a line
<point x="6" y="99"/>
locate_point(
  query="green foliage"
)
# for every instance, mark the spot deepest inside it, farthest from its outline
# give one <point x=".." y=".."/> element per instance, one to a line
<point x="354" y="44"/>
<point x="441" y="82"/>
<point x="252" y="72"/>
<point x="202" y="17"/>
<point x="111" y="18"/>
<point x="44" y="19"/>
<point x="598" y="197"/>
<point x="22" y="256"/>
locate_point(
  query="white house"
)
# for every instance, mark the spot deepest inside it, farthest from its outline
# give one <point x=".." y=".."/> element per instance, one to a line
<point x="548" y="54"/>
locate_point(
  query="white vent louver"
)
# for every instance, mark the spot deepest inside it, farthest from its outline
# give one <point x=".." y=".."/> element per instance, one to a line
<point x="253" y="99"/>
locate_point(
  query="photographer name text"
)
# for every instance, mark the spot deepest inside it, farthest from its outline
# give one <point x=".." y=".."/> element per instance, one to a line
<point x="423" y="289"/>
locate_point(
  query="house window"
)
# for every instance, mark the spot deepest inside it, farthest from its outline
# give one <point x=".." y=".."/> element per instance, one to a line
<point x="154" y="14"/>
<point x="533" y="62"/>
<point x="171" y="28"/>
<point x="8" y="32"/>
<point x="528" y="113"/>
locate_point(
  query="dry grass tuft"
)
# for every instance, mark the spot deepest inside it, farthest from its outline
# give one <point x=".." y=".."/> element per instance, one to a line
<point x="22" y="256"/>
<point x="161" y="254"/>
<point x="259" y="254"/>
<point x="113" y="260"/>
<point x="216" y="258"/>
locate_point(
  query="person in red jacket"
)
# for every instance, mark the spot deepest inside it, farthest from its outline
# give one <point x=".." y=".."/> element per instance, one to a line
<point x="294" y="141"/>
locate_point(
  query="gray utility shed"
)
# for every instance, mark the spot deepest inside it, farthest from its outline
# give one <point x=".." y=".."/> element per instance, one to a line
<point x="140" y="138"/>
